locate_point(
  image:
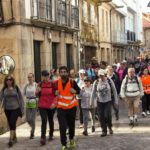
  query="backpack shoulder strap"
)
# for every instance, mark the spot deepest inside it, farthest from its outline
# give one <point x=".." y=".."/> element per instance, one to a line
<point x="72" y="83"/>
<point x="126" y="83"/>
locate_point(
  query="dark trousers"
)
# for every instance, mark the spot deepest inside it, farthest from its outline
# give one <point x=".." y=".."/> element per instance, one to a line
<point x="146" y="102"/>
<point x="105" y="117"/>
<point x="12" y="116"/>
<point x="80" y="111"/>
<point x="66" y="119"/>
<point x="47" y="113"/>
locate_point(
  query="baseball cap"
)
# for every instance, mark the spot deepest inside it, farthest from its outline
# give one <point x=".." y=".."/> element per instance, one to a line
<point x="102" y="72"/>
<point x="81" y="71"/>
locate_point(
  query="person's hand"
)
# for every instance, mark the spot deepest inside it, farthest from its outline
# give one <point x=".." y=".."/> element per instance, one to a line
<point x="52" y="106"/>
<point x="56" y="92"/>
<point x="38" y="89"/>
<point x="73" y="91"/>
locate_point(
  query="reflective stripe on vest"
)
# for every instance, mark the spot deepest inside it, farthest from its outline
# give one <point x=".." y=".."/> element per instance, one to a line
<point x="66" y="100"/>
<point x="66" y="97"/>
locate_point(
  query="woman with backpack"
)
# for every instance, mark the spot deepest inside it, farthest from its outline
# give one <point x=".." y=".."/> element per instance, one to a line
<point x="46" y="104"/>
<point x="103" y="91"/>
<point x="31" y="102"/>
<point x="13" y="104"/>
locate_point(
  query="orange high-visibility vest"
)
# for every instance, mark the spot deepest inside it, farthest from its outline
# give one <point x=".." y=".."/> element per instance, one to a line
<point x="65" y="100"/>
<point x="146" y="83"/>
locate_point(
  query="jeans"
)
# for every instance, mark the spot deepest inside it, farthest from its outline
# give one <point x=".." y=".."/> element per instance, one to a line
<point x="86" y="117"/>
<point x="47" y="113"/>
<point x="66" y="119"/>
<point x="105" y="117"/>
<point x="31" y="116"/>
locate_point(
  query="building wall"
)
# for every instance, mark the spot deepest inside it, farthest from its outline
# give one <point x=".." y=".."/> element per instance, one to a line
<point x="88" y="29"/>
<point x="17" y="35"/>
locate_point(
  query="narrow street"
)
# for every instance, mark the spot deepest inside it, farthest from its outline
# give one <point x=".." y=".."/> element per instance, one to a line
<point x="124" y="138"/>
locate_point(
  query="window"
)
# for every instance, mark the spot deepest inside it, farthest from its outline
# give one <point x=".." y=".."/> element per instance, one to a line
<point x="42" y="9"/>
<point x="74" y="16"/>
<point x="92" y="15"/>
<point x="74" y="2"/>
<point x="85" y="12"/>
<point x="53" y="3"/>
<point x="62" y="18"/>
<point x="103" y="23"/>
<point x="1" y="12"/>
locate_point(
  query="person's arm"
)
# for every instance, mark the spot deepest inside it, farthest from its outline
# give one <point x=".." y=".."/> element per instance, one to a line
<point x="76" y="87"/>
<point x="20" y="98"/>
<point x="114" y="91"/>
<point x="141" y="87"/>
<point x="93" y="93"/>
<point x="122" y="92"/>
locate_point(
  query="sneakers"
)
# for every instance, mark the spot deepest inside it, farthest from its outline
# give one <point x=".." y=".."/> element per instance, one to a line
<point x="93" y="128"/>
<point x="31" y="136"/>
<point x="144" y="114"/>
<point x="72" y="144"/>
<point x="64" y="147"/>
<point x="51" y="138"/>
<point x="104" y="134"/>
<point x="43" y="141"/>
<point x="81" y="126"/>
<point x="85" y="133"/>
<point x="111" y="131"/>
<point x="148" y="112"/>
<point x="117" y="116"/>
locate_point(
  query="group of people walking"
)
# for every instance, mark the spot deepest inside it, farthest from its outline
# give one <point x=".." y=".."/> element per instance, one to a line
<point x="96" y="90"/>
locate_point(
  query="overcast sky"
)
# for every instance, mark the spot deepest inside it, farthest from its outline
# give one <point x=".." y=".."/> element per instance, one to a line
<point x="144" y="3"/>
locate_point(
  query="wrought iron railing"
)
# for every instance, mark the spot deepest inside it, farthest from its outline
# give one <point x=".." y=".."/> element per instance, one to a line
<point x="56" y="11"/>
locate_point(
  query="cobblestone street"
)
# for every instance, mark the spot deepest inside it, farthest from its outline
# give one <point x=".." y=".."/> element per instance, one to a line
<point x="124" y="138"/>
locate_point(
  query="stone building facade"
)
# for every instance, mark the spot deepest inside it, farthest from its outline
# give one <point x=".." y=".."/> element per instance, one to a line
<point x="88" y="31"/>
<point x="39" y="34"/>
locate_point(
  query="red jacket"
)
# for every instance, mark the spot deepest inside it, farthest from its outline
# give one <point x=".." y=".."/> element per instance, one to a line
<point x="47" y="95"/>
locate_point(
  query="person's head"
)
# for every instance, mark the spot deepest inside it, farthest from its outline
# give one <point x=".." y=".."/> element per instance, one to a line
<point x="131" y="72"/>
<point x="72" y="73"/>
<point x="87" y="81"/>
<point x="45" y="75"/>
<point x="81" y="73"/>
<point x="9" y="81"/>
<point x="110" y="70"/>
<point x="64" y="72"/>
<point x="30" y="77"/>
<point x="103" y="65"/>
<point x="102" y="74"/>
<point x="145" y="71"/>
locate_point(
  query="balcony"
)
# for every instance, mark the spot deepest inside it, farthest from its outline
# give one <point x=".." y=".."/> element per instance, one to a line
<point x="55" y="13"/>
<point x="74" y="17"/>
<point x="119" y="37"/>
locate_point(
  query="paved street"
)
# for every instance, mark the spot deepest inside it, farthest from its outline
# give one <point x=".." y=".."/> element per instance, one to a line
<point x="124" y="138"/>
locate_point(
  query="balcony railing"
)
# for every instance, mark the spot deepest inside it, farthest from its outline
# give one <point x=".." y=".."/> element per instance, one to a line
<point x="74" y="17"/>
<point x="62" y="13"/>
<point x="119" y="37"/>
<point x="55" y="11"/>
<point x="42" y="10"/>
